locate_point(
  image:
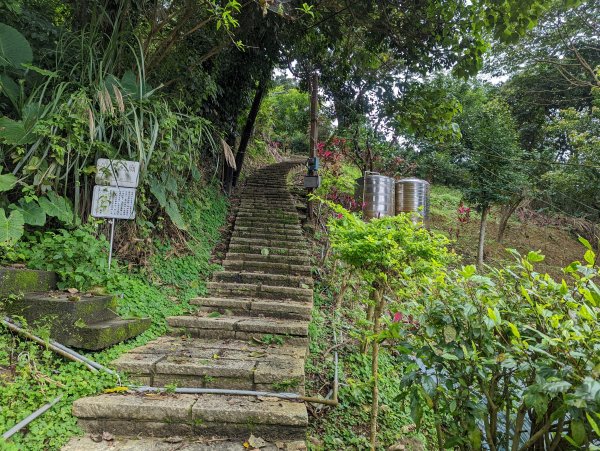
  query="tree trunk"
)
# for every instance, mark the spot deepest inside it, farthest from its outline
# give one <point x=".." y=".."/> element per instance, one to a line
<point x="247" y="132"/>
<point x="227" y="170"/>
<point x="507" y="211"/>
<point x="375" y="365"/>
<point x="484" y="215"/>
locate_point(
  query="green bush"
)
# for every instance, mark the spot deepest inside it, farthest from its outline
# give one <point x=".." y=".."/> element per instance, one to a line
<point x="511" y="359"/>
<point x="79" y="256"/>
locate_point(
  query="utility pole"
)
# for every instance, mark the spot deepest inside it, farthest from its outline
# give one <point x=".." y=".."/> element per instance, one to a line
<point x="314" y="107"/>
<point x="312" y="179"/>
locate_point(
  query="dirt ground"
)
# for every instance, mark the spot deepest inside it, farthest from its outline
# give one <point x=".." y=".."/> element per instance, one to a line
<point x="560" y="247"/>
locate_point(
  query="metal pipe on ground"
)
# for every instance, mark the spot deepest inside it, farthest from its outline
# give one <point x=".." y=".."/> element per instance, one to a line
<point x="17" y="427"/>
<point x="83" y="358"/>
<point x="222" y="391"/>
<point x="13" y="327"/>
<point x="54" y="344"/>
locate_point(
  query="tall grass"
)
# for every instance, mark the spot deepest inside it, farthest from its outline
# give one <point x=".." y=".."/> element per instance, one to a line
<point x="96" y="102"/>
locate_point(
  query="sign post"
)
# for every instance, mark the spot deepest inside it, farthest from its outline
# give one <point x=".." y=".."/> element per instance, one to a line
<point x="114" y="193"/>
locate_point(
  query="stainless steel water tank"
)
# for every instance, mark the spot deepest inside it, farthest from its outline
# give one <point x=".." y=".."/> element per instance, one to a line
<point x="412" y="195"/>
<point x="376" y="193"/>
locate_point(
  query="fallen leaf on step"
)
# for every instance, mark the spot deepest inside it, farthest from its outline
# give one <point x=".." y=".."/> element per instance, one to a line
<point x="72" y="290"/>
<point x="175" y="439"/>
<point x="97" y="438"/>
<point x="107" y="436"/>
<point x="256" y="442"/>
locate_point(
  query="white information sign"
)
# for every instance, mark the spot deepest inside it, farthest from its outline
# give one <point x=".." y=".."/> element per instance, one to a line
<point x="121" y="173"/>
<point x="114" y="203"/>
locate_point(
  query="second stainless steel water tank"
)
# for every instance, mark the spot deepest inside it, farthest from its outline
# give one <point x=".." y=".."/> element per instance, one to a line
<point x="376" y="193"/>
<point x="412" y="196"/>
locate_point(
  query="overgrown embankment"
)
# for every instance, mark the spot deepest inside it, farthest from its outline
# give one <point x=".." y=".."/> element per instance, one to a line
<point x="175" y="273"/>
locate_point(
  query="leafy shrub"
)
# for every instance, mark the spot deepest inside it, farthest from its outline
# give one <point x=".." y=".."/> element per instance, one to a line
<point x="79" y="257"/>
<point x="511" y="359"/>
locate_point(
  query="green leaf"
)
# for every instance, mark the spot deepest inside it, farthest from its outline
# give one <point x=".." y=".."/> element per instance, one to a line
<point x="175" y="215"/>
<point x="14" y="48"/>
<point x="15" y="132"/>
<point x="586" y="313"/>
<point x="593" y="424"/>
<point x="57" y="207"/>
<point x="535" y="257"/>
<point x="7" y="182"/>
<point x="578" y="433"/>
<point x="514" y="330"/>
<point x="10" y="88"/>
<point x="557" y="386"/>
<point x="468" y="271"/>
<point x="11" y="228"/>
<point x="32" y="213"/>
<point x="590" y="256"/>
<point x="39" y="70"/>
<point x="585" y="242"/>
<point x="448" y="356"/>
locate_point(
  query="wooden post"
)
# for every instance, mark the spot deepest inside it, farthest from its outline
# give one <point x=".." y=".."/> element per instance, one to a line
<point x="314" y="131"/>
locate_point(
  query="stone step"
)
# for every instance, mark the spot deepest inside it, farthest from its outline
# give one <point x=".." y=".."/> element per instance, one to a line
<point x="166" y="415"/>
<point x="267" y="218"/>
<point x="280" y="280"/>
<point x="257" y="235"/>
<point x="266" y="267"/>
<point x="205" y="363"/>
<point x="291" y="231"/>
<point x="247" y="221"/>
<point x="100" y="335"/>
<point x="288" y="243"/>
<point x="271" y="257"/>
<point x="285" y="205"/>
<point x="254" y="308"/>
<point x="275" y="228"/>
<point x="253" y="291"/>
<point x="262" y="213"/>
<point x="262" y="250"/>
<point x="121" y="443"/>
<point x="239" y="328"/>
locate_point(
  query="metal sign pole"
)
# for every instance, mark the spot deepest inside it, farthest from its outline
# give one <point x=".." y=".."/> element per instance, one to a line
<point x="112" y="238"/>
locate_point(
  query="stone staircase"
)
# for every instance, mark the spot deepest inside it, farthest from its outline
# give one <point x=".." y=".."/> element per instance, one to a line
<point x="251" y="333"/>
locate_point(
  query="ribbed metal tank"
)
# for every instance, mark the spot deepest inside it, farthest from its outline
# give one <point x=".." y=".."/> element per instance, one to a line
<point x="377" y="197"/>
<point x="412" y="195"/>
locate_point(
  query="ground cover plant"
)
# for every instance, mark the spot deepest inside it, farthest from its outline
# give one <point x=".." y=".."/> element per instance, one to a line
<point x="31" y="376"/>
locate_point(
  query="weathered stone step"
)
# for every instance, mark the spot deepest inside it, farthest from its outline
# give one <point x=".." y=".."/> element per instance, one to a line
<point x="255" y="308"/>
<point x="232" y="364"/>
<point x="280" y="280"/>
<point x="271" y="196"/>
<point x="248" y="221"/>
<point x="253" y="291"/>
<point x="239" y="328"/>
<point x="261" y="250"/>
<point x="103" y="334"/>
<point x="275" y="228"/>
<point x="266" y="267"/>
<point x="288" y="243"/>
<point x="292" y="231"/>
<point x="121" y="443"/>
<point x="267" y="218"/>
<point x="270" y="257"/>
<point x="261" y="213"/>
<point x="258" y="235"/>
<point x="166" y="415"/>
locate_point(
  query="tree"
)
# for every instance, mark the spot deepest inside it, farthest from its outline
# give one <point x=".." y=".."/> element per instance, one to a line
<point x="490" y="151"/>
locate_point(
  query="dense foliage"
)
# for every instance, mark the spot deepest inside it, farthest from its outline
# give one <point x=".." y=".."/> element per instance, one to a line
<point x="31" y="376"/>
